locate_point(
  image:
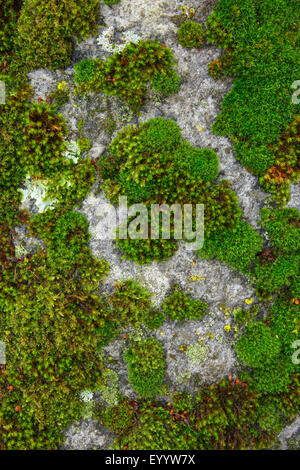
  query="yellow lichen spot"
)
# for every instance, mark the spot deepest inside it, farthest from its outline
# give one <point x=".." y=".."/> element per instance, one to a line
<point x="63" y="86"/>
<point x="227" y="328"/>
<point x="249" y="301"/>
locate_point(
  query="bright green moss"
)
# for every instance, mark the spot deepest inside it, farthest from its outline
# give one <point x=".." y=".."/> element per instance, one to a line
<point x="126" y="73"/>
<point x="283" y="226"/>
<point x="146" y="367"/>
<point x="166" y="83"/>
<point x="272" y="379"/>
<point x="152" y="164"/>
<point x="52" y="321"/>
<point x="236" y="247"/>
<point x="257" y="160"/>
<point x="144" y="251"/>
<point x="67" y="244"/>
<point x="85" y="70"/>
<point x="84" y="144"/>
<point x="270" y="419"/>
<point x="48" y="324"/>
<point x="111" y="2"/>
<point x="190" y="34"/>
<point x="179" y="306"/>
<point x="202" y="163"/>
<point x="272" y="275"/>
<point x="262" y="50"/>
<point x="258" y="346"/>
<point x="160" y="134"/>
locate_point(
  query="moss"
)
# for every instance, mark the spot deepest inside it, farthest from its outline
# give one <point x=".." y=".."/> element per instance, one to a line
<point x="202" y="163"/>
<point x="236" y="247"/>
<point x="273" y="379"/>
<point x="126" y="73"/>
<point x="154" y="319"/>
<point x="119" y="418"/>
<point x="61" y="95"/>
<point x="285" y="322"/>
<point x="283" y="226"/>
<point x="257" y="160"/>
<point x="111" y="2"/>
<point x="166" y="83"/>
<point x="85" y="70"/>
<point x="190" y="34"/>
<point x="160" y="134"/>
<point x="243" y="316"/>
<point x="261" y="50"/>
<point x="152" y="164"/>
<point x="84" y="144"/>
<point x="273" y="275"/>
<point x="179" y="306"/>
<point x="45" y="30"/>
<point x="55" y="321"/>
<point x="130" y="303"/>
<point x="258" y="346"/>
<point x="44" y="140"/>
<point x="156" y="429"/>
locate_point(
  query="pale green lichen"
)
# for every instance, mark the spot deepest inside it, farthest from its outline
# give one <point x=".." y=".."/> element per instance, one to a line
<point x="20" y="251"/>
<point x="136" y="335"/>
<point x="73" y="152"/>
<point x="197" y="353"/>
<point x="86" y="396"/>
<point x="37" y="190"/>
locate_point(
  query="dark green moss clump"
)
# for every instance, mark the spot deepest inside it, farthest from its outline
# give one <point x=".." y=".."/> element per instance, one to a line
<point x="126" y="73"/>
<point x="152" y="164"/>
<point x="179" y="306"/>
<point x="190" y="34"/>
